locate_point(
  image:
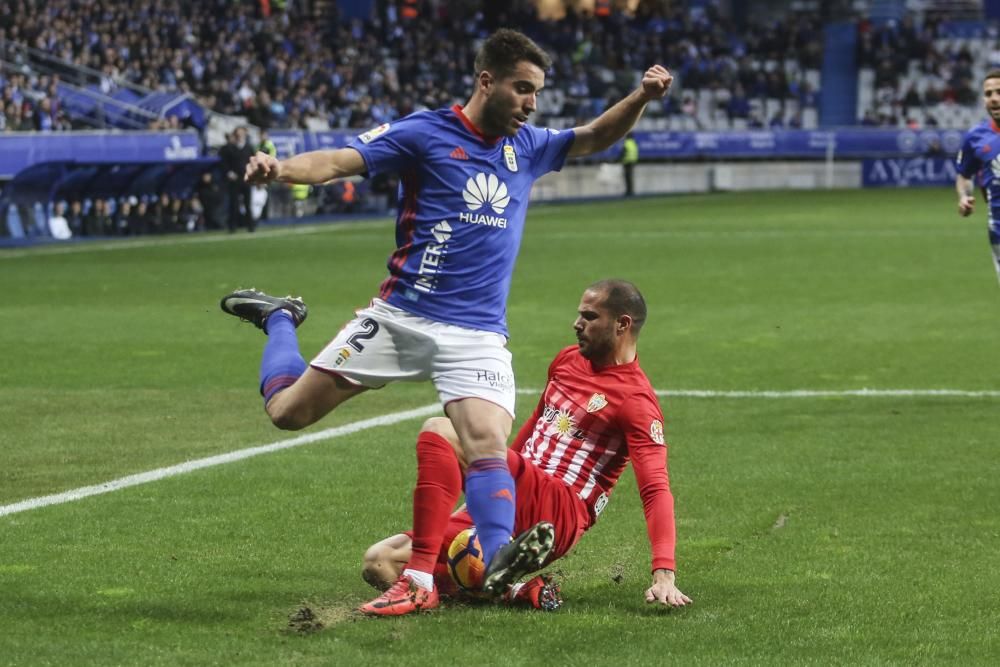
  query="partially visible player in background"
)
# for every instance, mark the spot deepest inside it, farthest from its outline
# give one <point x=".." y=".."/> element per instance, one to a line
<point x="440" y="315"/>
<point x="597" y="412"/>
<point x="979" y="158"/>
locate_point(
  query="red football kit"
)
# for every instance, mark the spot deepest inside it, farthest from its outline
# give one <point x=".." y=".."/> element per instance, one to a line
<point x="566" y="459"/>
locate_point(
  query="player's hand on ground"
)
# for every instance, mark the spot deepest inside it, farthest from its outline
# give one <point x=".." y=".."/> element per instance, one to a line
<point x="966" y="204"/>
<point x="261" y="169"/>
<point x="664" y="590"/>
<point x="656" y="82"/>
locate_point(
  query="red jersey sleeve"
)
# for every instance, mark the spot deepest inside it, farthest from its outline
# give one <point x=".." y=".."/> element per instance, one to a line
<point x="642" y="423"/>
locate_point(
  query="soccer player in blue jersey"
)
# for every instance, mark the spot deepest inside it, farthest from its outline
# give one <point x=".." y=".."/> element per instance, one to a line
<point x="466" y="173"/>
<point x="979" y="159"/>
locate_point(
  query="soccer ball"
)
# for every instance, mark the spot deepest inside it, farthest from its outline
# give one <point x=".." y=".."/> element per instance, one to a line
<point x="465" y="561"/>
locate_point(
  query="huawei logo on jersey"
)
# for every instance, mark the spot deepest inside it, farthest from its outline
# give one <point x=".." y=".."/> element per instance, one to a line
<point x="482" y="189"/>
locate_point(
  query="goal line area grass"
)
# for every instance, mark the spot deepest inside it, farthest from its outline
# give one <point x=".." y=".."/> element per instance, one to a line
<point x="812" y="529"/>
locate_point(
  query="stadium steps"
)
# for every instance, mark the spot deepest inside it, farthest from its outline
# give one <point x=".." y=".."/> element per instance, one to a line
<point x="838" y="96"/>
<point x="127" y="107"/>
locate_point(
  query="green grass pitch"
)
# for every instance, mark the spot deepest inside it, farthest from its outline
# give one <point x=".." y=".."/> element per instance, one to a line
<point x="838" y="529"/>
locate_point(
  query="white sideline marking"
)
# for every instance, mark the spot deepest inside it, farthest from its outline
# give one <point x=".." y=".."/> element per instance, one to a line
<point x="824" y="393"/>
<point x="816" y="393"/>
<point x="385" y="420"/>
<point x="188" y="466"/>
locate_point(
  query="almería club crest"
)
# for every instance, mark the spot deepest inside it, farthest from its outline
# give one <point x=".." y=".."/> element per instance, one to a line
<point x="596" y="402"/>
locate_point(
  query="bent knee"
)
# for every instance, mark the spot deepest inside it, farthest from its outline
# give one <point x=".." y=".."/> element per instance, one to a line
<point x="378" y="570"/>
<point x="440" y="426"/>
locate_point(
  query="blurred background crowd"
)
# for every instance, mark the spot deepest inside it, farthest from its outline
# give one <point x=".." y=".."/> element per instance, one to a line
<point x="302" y="64"/>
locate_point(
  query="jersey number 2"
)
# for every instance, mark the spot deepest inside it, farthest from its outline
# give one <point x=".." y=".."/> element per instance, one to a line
<point x="370" y="327"/>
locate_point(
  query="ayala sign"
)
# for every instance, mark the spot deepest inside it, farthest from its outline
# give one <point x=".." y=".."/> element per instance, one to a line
<point x="908" y="172"/>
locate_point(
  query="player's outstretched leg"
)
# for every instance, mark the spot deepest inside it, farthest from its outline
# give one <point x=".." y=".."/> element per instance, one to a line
<point x="403" y="597"/>
<point x="525" y="554"/>
<point x="254" y="306"/>
<point x="282" y="363"/>
<point x="542" y="592"/>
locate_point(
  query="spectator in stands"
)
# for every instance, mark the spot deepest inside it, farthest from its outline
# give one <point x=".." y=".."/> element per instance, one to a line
<point x="122" y="215"/>
<point x="58" y="224"/>
<point x="235" y="155"/>
<point x="629" y="158"/>
<point x="384" y="188"/>
<point x="739" y="105"/>
<point x="45" y="118"/>
<point x="258" y="110"/>
<point x="212" y="200"/>
<point x="159" y="219"/>
<point x="98" y="220"/>
<point x="140" y="218"/>
<point x="74" y="218"/>
<point x="911" y="99"/>
<point x="176" y="219"/>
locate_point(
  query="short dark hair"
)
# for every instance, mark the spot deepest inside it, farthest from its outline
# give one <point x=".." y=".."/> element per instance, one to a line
<point x="622" y="298"/>
<point x="992" y="74"/>
<point x="504" y="49"/>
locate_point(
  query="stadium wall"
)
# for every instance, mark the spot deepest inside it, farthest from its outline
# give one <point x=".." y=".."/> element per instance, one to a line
<point x="607" y="180"/>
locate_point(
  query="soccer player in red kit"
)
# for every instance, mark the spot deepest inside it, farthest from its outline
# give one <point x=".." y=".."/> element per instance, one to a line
<point x="598" y="412"/>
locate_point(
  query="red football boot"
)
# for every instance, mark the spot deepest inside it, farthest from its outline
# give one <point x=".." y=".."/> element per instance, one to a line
<point x="403" y="597"/>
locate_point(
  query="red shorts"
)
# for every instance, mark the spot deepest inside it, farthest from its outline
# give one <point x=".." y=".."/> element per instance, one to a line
<point x="539" y="498"/>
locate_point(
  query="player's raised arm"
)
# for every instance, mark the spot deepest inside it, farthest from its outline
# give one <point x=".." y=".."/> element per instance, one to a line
<point x="312" y="168"/>
<point x="615" y="122"/>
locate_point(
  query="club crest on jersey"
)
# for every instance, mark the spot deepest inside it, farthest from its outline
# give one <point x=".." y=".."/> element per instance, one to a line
<point x="596" y="402"/>
<point x="656" y="431"/>
<point x="510" y="157"/>
<point x="374" y="133"/>
<point x="343" y="356"/>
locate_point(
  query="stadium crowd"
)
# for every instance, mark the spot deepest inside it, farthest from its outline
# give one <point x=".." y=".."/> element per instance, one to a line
<point x="917" y="73"/>
<point x="283" y="67"/>
<point x="283" y="64"/>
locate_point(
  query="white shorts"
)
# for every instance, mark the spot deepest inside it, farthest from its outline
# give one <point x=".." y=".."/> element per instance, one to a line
<point x="383" y="344"/>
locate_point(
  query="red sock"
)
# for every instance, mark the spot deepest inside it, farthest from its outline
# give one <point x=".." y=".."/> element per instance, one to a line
<point x="439" y="484"/>
<point x="442" y="580"/>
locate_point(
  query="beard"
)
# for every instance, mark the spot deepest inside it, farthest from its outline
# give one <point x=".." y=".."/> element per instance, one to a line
<point x="595" y="348"/>
<point x="497" y="117"/>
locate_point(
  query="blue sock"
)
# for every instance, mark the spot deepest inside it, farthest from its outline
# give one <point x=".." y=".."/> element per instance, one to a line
<point x="281" y="364"/>
<point x="489" y="496"/>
